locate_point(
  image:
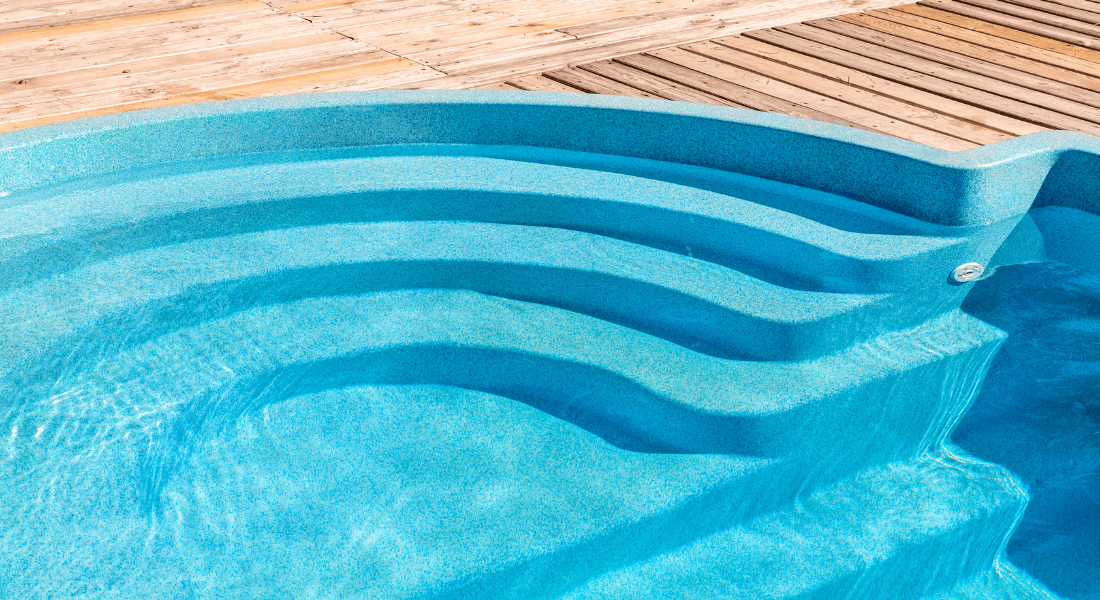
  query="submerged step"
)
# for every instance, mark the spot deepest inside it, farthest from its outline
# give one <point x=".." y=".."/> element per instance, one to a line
<point x="898" y="531"/>
<point x="891" y="397"/>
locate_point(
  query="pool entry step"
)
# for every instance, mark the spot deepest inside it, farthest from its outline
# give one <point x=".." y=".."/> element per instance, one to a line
<point x="478" y="345"/>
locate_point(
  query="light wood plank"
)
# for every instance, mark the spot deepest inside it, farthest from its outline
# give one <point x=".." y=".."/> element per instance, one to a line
<point x="1015" y="34"/>
<point x="151" y="66"/>
<point x="815" y="42"/>
<point x="102" y="48"/>
<point x="538" y="83"/>
<point x="230" y="74"/>
<point x="375" y="81"/>
<point x="973" y="114"/>
<point x="502" y="86"/>
<point x="819" y="84"/>
<point x="594" y="84"/>
<point x="131" y="21"/>
<point x="658" y="86"/>
<point x="295" y="84"/>
<point x="831" y="33"/>
<point x="1031" y="52"/>
<point x="14" y="21"/>
<point x="493" y="47"/>
<point x="453" y="35"/>
<point x="561" y="12"/>
<point x="278" y="61"/>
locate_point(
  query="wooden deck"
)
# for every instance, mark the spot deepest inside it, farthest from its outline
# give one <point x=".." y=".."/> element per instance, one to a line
<point x="953" y="74"/>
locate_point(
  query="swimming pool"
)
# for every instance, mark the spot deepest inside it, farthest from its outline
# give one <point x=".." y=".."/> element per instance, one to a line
<point x="482" y="344"/>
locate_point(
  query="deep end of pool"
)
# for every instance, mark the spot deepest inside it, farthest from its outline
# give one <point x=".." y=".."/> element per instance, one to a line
<point x="442" y="345"/>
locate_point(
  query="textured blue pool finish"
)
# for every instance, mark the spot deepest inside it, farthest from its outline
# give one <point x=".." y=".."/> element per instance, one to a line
<point x="437" y="345"/>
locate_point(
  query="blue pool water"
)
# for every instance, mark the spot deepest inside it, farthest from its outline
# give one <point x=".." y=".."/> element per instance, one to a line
<point x="477" y="345"/>
<point x="1039" y="410"/>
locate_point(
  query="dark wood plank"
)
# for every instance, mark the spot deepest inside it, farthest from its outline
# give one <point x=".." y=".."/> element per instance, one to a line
<point x="1082" y="4"/>
<point x="1061" y="10"/>
<point x="983" y="67"/>
<point x="838" y="36"/>
<point x="724" y="89"/>
<point x="1001" y="31"/>
<point x="594" y="84"/>
<point x="980" y="117"/>
<point x="811" y="99"/>
<point x="982" y="39"/>
<point x="658" y="86"/>
<point x="852" y="94"/>
<point x="1036" y="15"/>
<point x="1027" y="25"/>
<point x="816" y="42"/>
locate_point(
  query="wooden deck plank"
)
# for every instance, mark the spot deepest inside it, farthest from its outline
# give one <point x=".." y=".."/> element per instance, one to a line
<point x="819" y="84"/>
<point x="1043" y="55"/>
<point x="658" y="86"/>
<point x="785" y="37"/>
<point x="493" y="47"/>
<point x="733" y="92"/>
<point x="222" y="75"/>
<point x="266" y="87"/>
<point x="624" y="41"/>
<point x="810" y="99"/>
<point x="1085" y="16"/>
<point x="989" y="63"/>
<point x="502" y="86"/>
<point x="1048" y="110"/>
<point x="11" y="22"/>
<point x="1038" y="16"/>
<point x="132" y="21"/>
<point x="538" y="83"/>
<point x="103" y="48"/>
<point x="454" y="35"/>
<point x="160" y="64"/>
<point x="1009" y="20"/>
<point x="1001" y="31"/>
<point x="556" y="15"/>
<point x="960" y="110"/>
<point x="275" y="62"/>
<point x="593" y="83"/>
<point x="445" y="15"/>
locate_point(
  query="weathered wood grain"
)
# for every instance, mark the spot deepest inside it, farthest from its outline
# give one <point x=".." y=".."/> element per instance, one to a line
<point x="60" y="15"/>
<point x="658" y="86"/>
<point x="966" y="112"/>
<point x="884" y="105"/>
<point x="1037" y="27"/>
<point x="1051" y="110"/>
<point x="1002" y="44"/>
<point x="785" y="37"/>
<point x="595" y="84"/>
<point x="988" y="64"/>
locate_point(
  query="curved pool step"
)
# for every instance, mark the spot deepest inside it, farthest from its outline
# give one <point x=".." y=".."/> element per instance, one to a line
<point x="631" y="388"/>
<point x="738" y="226"/>
<point x="694" y="303"/>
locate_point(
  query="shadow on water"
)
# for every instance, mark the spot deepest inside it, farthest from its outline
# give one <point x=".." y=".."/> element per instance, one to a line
<point x="1038" y="412"/>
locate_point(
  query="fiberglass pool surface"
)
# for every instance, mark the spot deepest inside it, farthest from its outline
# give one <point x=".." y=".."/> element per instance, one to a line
<point x="436" y="345"/>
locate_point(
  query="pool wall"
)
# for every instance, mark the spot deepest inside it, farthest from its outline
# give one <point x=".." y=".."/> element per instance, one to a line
<point x="760" y="305"/>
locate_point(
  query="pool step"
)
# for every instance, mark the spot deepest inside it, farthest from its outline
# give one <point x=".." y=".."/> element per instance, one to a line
<point x="900" y="531"/>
